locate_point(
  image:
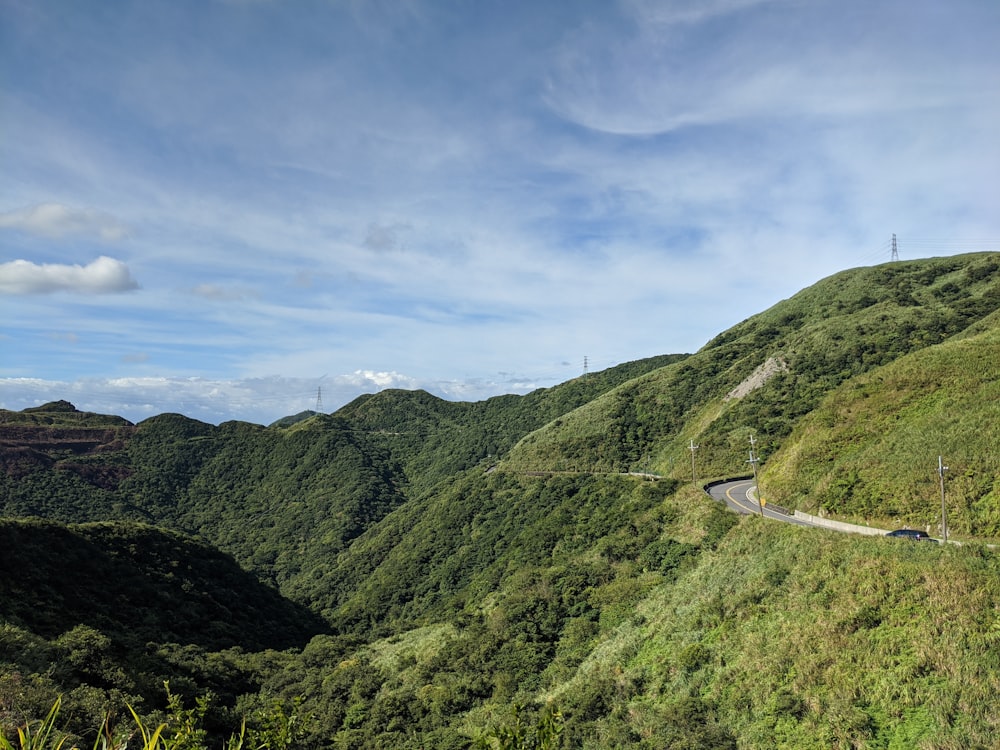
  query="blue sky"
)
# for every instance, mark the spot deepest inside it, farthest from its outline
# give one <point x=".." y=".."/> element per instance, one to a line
<point x="219" y="207"/>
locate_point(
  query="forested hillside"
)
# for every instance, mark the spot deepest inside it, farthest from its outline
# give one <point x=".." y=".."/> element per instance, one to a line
<point x="843" y="327"/>
<point x="284" y="500"/>
<point x="409" y="572"/>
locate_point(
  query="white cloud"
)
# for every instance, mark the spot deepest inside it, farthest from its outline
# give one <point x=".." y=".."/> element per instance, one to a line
<point x="58" y="220"/>
<point x="378" y="380"/>
<point x="102" y="276"/>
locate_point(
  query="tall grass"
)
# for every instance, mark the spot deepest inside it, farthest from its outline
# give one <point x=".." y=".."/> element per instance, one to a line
<point x="803" y="639"/>
<point x="870" y="450"/>
<point x="45" y="735"/>
<point x="278" y="730"/>
<point x="40" y="735"/>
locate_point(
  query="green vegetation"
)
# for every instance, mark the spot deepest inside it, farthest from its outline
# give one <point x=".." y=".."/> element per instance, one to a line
<point x="533" y="571"/>
<point x="870" y="449"/>
<point x="181" y="729"/>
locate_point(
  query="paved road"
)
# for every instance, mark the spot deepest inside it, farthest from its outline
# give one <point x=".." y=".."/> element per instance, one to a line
<point x="741" y="496"/>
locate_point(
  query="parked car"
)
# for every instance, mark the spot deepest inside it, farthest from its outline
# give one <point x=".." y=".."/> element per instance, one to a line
<point x="912" y="534"/>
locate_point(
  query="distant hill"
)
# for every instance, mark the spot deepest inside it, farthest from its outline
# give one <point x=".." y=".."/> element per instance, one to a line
<point x="294" y="419"/>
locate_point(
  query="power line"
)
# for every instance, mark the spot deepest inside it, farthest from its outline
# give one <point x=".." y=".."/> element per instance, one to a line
<point x="953" y="242"/>
<point x="923" y="246"/>
<point x="879" y="255"/>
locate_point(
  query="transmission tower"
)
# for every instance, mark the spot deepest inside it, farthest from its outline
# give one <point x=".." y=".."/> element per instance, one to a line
<point x="319" y="399"/>
<point x="585" y="365"/>
<point x="895" y="251"/>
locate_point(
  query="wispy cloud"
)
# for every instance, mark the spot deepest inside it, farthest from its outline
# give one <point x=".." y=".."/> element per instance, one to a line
<point x="688" y="11"/>
<point x="220" y="293"/>
<point x="57" y="220"/>
<point x="688" y="64"/>
<point x="102" y="276"/>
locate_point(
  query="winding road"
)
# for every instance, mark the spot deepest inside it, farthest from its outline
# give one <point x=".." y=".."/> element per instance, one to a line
<point x="741" y="496"/>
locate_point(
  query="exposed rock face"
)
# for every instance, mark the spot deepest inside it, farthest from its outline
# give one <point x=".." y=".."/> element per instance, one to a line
<point x="57" y="435"/>
<point x="771" y="367"/>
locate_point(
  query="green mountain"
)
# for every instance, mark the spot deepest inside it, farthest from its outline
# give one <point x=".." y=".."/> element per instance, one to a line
<point x="842" y="327"/>
<point x="411" y="569"/>
<point x="281" y="499"/>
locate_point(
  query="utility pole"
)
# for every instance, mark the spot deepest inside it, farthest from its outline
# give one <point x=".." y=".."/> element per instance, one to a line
<point x="944" y="510"/>
<point x="753" y="462"/>
<point x="693" y="448"/>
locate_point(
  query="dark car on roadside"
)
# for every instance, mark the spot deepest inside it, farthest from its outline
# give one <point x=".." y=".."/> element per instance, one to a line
<point x="912" y="534"/>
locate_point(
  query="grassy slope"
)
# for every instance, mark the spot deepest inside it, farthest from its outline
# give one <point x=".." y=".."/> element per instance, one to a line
<point x="805" y="639"/>
<point x="870" y="449"/>
<point x="692" y="634"/>
<point x="433" y="558"/>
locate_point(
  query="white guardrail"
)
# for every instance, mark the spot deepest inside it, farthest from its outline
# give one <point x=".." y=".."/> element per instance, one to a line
<point x="838" y="525"/>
